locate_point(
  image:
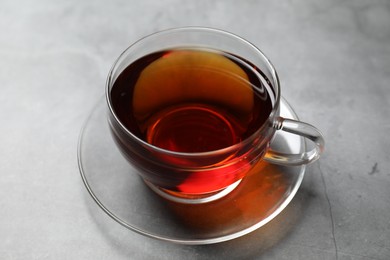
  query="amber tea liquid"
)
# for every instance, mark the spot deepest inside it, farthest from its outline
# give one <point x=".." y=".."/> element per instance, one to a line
<point x="192" y="101"/>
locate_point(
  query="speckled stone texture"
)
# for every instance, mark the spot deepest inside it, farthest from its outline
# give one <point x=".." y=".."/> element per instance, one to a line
<point x="333" y="58"/>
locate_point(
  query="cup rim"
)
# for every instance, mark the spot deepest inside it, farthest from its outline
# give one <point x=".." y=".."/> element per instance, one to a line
<point x="275" y="79"/>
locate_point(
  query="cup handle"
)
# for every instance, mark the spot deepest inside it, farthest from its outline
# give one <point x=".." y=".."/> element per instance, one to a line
<point x="299" y="128"/>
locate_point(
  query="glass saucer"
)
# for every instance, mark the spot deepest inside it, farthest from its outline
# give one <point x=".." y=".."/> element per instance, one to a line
<point x="118" y="190"/>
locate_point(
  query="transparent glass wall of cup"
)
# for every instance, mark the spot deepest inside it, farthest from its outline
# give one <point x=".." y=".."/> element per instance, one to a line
<point x="197" y="177"/>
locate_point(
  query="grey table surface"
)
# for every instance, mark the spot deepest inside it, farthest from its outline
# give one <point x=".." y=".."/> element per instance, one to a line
<point x="333" y="58"/>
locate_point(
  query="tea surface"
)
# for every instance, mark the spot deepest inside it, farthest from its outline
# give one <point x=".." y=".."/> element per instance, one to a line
<point x="191" y="100"/>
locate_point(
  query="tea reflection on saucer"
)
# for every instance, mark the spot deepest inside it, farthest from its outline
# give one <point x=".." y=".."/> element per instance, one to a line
<point x="256" y="197"/>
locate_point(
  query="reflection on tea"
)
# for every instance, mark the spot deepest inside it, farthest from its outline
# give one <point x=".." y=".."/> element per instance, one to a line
<point x="191" y="101"/>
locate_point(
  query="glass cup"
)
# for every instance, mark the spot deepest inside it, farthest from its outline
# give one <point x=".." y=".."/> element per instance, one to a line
<point x="194" y="109"/>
